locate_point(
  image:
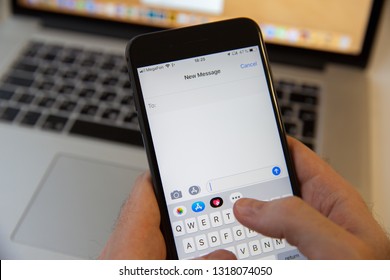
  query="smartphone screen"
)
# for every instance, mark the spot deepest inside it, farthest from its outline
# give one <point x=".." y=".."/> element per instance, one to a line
<point x="216" y="139"/>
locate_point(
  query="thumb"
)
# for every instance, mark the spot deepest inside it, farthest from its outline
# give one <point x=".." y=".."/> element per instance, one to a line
<point x="301" y="225"/>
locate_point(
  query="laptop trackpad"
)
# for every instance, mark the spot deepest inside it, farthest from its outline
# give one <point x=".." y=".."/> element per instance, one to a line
<point x="75" y="207"/>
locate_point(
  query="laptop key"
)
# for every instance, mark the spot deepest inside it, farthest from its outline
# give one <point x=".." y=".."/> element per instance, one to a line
<point x="110" y="114"/>
<point x="87" y="92"/>
<point x="310" y="88"/>
<point x="50" y="56"/>
<point x="303" y="98"/>
<point x="90" y="77"/>
<point x="30" y="52"/>
<point x="88" y="62"/>
<point x="70" y="74"/>
<point x="284" y="83"/>
<point x="127" y="100"/>
<point x="126" y="85"/>
<point x="25" y="81"/>
<point x="27" y="67"/>
<point x="108" y="96"/>
<point x="291" y="128"/>
<point x="26" y="98"/>
<point x="68" y="106"/>
<point x="89" y="110"/>
<point x="46" y="85"/>
<point x="5" y="94"/>
<point x="49" y="70"/>
<point x="124" y="69"/>
<point x="280" y="93"/>
<point x="55" y="123"/>
<point x="46" y="102"/>
<point x="110" y="81"/>
<point x="287" y="111"/>
<point x="107" y="132"/>
<point x="307" y="115"/>
<point x="308" y="129"/>
<point x="108" y="65"/>
<point x="66" y="89"/>
<point x="9" y="114"/>
<point x="69" y="59"/>
<point x="30" y="118"/>
<point x="131" y="117"/>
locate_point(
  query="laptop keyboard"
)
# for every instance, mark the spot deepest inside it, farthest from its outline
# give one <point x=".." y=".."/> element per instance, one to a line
<point x="76" y="91"/>
<point x="299" y="106"/>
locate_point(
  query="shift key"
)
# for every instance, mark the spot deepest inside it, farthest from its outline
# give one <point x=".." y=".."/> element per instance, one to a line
<point x="23" y="81"/>
<point x="107" y="132"/>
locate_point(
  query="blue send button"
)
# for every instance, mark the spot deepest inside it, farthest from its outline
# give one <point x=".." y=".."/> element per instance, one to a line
<point x="248" y="65"/>
<point x="276" y="170"/>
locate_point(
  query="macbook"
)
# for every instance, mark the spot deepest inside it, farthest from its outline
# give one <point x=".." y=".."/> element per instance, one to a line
<point x="70" y="146"/>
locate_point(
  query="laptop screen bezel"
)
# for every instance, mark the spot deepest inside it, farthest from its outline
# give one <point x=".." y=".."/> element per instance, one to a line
<point x="277" y="53"/>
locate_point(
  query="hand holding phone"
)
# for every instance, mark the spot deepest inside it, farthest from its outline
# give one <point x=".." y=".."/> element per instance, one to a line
<point x="213" y="134"/>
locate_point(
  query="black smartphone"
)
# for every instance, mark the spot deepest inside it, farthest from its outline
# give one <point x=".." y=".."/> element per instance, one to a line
<point x="213" y="134"/>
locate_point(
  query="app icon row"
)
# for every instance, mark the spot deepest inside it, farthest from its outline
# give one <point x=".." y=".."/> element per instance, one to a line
<point x="199" y="206"/>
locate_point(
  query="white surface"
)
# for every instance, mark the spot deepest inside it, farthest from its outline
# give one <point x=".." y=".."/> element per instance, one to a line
<point x="379" y="74"/>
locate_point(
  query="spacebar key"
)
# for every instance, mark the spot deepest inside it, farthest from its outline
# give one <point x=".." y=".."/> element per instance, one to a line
<point x="106" y="132"/>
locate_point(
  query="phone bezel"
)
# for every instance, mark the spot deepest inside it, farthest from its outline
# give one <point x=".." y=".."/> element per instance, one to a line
<point x="188" y="42"/>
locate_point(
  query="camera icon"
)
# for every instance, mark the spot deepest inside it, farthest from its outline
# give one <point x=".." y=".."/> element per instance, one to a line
<point x="176" y="194"/>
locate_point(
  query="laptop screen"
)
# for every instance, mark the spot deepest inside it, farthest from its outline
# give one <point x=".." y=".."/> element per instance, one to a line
<point x="330" y="26"/>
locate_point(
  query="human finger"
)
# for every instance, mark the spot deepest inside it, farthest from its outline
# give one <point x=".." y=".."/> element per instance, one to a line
<point x="302" y="226"/>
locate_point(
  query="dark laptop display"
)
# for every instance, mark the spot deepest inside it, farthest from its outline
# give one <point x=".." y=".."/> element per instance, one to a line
<point x="310" y="28"/>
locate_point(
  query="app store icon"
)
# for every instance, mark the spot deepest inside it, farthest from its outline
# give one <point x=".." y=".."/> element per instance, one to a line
<point x="198" y="206"/>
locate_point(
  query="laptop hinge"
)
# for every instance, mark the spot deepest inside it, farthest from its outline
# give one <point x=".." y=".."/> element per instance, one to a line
<point x="296" y="58"/>
<point x="110" y="29"/>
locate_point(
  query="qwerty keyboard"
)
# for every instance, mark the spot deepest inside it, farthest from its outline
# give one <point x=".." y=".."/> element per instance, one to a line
<point x="72" y="90"/>
<point x="225" y="230"/>
<point x="299" y="103"/>
<point x="200" y="229"/>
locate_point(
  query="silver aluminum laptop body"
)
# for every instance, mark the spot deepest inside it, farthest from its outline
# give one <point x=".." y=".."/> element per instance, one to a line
<point x="60" y="194"/>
